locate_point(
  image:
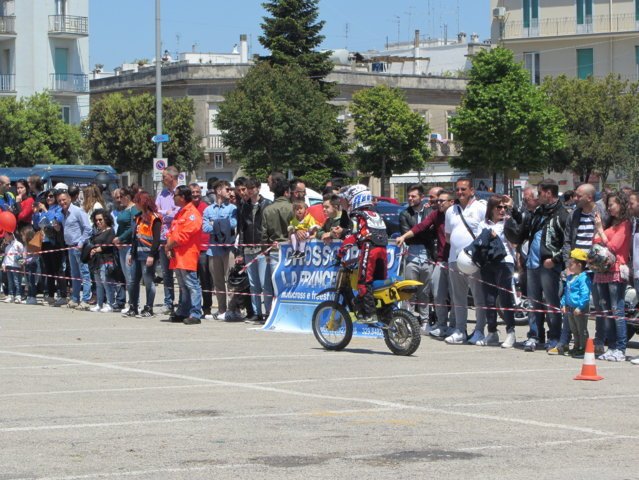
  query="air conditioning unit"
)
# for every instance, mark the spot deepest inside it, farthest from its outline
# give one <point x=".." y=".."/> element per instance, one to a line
<point x="499" y="12"/>
<point x="435" y="137"/>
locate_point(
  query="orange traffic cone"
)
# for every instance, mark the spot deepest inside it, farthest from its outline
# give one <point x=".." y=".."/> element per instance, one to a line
<point x="589" y="369"/>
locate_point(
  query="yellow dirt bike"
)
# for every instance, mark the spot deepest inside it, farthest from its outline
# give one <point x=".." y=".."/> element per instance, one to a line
<point x="333" y="319"/>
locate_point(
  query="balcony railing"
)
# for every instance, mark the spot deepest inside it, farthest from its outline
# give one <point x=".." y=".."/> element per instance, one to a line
<point x="556" y="27"/>
<point x="67" y="24"/>
<point x="7" y="83"/>
<point x="214" y="142"/>
<point x="69" y="83"/>
<point x="7" y="25"/>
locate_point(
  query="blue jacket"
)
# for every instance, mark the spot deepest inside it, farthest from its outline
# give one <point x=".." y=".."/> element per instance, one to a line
<point x="577" y="291"/>
<point x="220" y="221"/>
<point x="44" y="221"/>
<point x="7" y="201"/>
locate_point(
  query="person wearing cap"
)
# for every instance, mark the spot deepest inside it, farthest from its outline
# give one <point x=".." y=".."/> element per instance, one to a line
<point x="575" y="301"/>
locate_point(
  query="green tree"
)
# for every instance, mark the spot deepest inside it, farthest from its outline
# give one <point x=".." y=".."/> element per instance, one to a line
<point x="32" y="131"/>
<point x="119" y="131"/>
<point x="291" y="34"/>
<point x="504" y="122"/>
<point x="391" y="137"/>
<point x="601" y="124"/>
<point x="277" y="118"/>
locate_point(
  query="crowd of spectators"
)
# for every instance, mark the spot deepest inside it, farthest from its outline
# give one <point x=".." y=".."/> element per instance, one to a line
<point x="82" y="252"/>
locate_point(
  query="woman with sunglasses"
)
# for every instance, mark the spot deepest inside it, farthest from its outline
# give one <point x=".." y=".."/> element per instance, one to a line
<point x="101" y="260"/>
<point x="497" y="277"/>
<point x="46" y="216"/>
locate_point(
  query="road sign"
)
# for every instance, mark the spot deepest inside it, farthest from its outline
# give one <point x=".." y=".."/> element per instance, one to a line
<point x="182" y="178"/>
<point x="159" y="165"/>
<point x="160" y="138"/>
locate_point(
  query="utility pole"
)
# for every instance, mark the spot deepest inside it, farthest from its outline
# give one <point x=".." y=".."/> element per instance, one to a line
<point x="158" y="79"/>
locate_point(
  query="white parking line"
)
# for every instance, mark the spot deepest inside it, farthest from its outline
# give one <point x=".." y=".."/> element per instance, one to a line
<point x="334" y="398"/>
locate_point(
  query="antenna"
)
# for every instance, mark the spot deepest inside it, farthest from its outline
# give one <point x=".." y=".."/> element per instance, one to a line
<point x="346" y="35"/>
<point x="458" y="28"/>
<point x="177" y="45"/>
<point x="410" y="17"/>
<point x="399" y="23"/>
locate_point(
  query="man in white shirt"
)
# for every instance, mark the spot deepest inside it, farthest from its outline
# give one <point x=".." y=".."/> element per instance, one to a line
<point x="460" y="232"/>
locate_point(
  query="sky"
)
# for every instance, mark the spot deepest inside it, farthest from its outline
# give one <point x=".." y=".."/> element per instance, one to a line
<point x="124" y="30"/>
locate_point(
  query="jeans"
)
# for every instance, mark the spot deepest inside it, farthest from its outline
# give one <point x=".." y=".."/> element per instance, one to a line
<point x="498" y="278"/>
<point x="54" y="266"/>
<point x="440" y="293"/>
<point x="459" y="285"/>
<point x="611" y="296"/>
<point x="81" y="277"/>
<point x="422" y="272"/>
<point x="31" y="270"/>
<point x="167" y="278"/>
<point x="190" y="294"/>
<point x="139" y="270"/>
<point x="259" y="273"/>
<point x="543" y="283"/>
<point x="14" y="279"/>
<point x="120" y="290"/>
<point x="204" y="275"/>
<point x="104" y="286"/>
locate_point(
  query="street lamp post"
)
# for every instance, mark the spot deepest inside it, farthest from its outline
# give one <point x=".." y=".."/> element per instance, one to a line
<point x="158" y="79"/>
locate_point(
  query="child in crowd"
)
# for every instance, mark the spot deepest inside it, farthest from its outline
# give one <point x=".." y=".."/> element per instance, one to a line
<point x="333" y="226"/>
<point x="575" y="300"/>
<point x="12" y="266"/>
<point x="27" y="233"/>
<point x="301" y="222"/>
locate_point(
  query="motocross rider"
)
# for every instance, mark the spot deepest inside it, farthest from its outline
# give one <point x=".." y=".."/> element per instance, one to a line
<point x="369" y="234"/>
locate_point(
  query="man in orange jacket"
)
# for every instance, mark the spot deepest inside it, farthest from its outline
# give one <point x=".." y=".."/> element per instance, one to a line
<point x="183" y="250"/>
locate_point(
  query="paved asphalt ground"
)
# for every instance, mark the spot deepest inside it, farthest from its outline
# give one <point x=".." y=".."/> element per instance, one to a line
<point x="86" y="396"/>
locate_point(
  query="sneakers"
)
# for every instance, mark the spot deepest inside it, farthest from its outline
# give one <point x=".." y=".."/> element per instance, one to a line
<point x="83" y="306"/>
<point x="617" y="356"/>
<point x="599" y="350"/>
<point x="9" y="299"/>
<point x="95" y="308"/>
<point x="530" y="345"/>
<point x="106" y="309"/>
<point x="256" y="320"/>
<point x="60" y="302"/>
<point x="50" y="301"/>
<point x="510" y="340"/>
<point x="490" y="340"/>
<point x="477" y="336"/>
<point x="32" y="301"/>
<point x="221" y="317"/>
<point x="635" y="361"/>
<point x="72" y="304"/>
<point x="425" y="328"/>
<point x="18" y="299"/>
<point x="192" y="321"/>
<point x="174" y="318"/>
<point x="129" y="313"/>
<point x="125" y="310"/>
<point x="439" y="332"/>
<point x="167" y="310"/>
<point x="233" y="316"/>
<point x="456" y="338"/>
<point x="146" y="312"/>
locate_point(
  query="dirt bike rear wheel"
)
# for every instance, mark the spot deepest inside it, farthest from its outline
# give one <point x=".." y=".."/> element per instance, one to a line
<point x="332" y="325"/>
<point x="403" y="335"/>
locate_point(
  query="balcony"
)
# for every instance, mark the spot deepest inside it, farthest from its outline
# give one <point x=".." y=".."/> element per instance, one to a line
<point x="565" y="26"/>
<point x="214" y="142"/>
<point x="7" y="27"/>
<point x="7" y="83"/>
<point x="69" y="84"/>
<point x="68" y="26"/>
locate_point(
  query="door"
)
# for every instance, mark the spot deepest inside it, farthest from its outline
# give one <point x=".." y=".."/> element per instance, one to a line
<point x="61" y="66"/>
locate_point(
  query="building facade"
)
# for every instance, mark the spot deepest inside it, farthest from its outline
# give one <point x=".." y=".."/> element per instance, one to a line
<point x="44" y="45"/>
<point x="578" y="38"/>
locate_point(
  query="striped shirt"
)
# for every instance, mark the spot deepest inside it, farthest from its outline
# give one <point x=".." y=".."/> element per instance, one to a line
<point x="585" y="231"/>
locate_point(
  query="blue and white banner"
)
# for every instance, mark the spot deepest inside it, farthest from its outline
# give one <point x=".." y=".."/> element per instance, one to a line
<point x="297" y="282"/>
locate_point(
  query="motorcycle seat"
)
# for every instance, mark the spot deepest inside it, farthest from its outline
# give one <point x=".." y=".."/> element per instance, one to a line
<point x="381" y="284"/>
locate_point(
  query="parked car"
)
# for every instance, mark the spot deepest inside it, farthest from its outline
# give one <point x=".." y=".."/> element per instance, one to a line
<point x="390" y="213"/>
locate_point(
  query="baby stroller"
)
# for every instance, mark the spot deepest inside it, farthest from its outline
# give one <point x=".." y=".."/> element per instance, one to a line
<point x="240" y="289"/>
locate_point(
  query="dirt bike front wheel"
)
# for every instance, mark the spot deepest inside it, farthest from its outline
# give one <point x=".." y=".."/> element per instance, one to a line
<point x="332" y="325"/>
<point x="402" y="336"/>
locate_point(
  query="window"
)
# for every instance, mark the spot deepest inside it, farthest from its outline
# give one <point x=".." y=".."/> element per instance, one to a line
<point x="531" y="17"/>
<point x="585" y="63"/>
<point x="584" y="16"/>
<point x="65" y="114"/>
<point x="218" y="161"/>
<point x="449" y="116"/>
<point x="213" y="111"/>
<point x="637" y="60"/>
<point x="531" y="63"/>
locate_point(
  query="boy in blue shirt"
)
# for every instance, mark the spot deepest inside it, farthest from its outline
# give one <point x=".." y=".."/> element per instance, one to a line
<point x="576" y="299"/>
